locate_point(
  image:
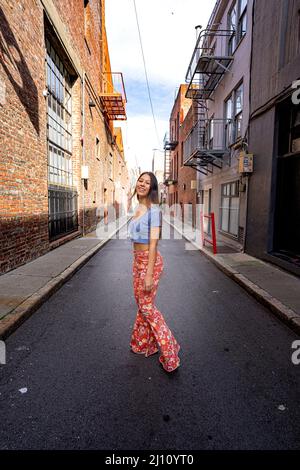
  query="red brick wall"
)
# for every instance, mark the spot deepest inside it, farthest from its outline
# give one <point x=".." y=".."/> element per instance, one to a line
<point x="87" y="44"/>
<point x="187" y="174"/>
<point x="23" y="149"/>
<point x="23" y="158"/>
<point x="184" y="174"/>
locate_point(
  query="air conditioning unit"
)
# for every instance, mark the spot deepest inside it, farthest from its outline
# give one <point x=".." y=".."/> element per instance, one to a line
<point x="84" y="172"/>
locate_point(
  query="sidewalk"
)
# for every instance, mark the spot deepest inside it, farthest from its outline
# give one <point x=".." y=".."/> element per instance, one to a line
<point x="273" y="287"/>
<point x="24" y="289"/>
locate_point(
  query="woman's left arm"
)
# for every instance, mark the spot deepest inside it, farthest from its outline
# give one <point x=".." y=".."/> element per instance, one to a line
<point x="154" y="236"/>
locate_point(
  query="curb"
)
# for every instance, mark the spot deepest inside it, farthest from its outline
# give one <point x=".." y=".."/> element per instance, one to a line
<point x="286" y="314"/>
<point x="16" y="317"/>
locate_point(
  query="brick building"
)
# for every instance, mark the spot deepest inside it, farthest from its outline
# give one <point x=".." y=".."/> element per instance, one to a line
<point x="179" y="179"/>
<point x="61" y="160"/>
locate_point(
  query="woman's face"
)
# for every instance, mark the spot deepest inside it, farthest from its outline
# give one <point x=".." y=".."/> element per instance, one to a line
<point x="143" y="185"/>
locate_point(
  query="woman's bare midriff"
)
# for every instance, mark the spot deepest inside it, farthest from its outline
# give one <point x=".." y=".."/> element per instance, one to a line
<point x="141" y="246"/>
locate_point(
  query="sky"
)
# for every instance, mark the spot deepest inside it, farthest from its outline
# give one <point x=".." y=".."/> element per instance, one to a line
<point x="168" y="36"/>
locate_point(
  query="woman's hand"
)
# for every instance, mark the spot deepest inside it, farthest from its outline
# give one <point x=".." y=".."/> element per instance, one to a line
<point x="148" y="282"/>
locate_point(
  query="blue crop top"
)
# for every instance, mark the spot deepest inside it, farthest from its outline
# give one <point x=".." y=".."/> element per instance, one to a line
<point x="139" y="228"/>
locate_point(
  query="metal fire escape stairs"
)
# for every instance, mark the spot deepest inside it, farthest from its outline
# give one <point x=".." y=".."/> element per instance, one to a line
<point x="205" y="146"/>
<point x="169" y="145"/>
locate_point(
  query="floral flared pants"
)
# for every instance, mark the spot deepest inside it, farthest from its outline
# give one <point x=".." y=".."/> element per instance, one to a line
<point x="150" y="331"/>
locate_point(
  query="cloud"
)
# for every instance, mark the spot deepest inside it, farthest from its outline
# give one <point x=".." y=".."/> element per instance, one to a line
<point x="168" y="35"/>
<point x="139" y="135"/>
<point x="139" y="100"/>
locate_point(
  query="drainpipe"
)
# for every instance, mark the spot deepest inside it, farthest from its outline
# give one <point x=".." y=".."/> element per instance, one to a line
<point x="248" y="126"/>
<point x="246" y="212"/>
<point x="83" y="149"/>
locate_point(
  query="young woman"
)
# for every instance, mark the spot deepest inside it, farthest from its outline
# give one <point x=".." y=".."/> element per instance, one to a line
<point x="150" y="331"/>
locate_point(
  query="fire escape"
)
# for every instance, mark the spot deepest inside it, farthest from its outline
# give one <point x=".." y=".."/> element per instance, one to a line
<point x="169" y="145"/>
<point x="113" y="96"/>
<point x="207" y="142"/>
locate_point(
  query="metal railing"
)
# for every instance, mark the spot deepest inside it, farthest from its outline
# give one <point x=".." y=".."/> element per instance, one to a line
<point x="208" y="137"/>
<point x="167" y="166"/>
<point x="113" y="96"/>
<point x="113" y="84"/>
<point x="210" y="60"/>
<point x="211" y="43"/>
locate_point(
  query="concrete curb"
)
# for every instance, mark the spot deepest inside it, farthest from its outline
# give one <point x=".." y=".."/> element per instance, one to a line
<point x="15" y="318"/>
<point x="286" y="314"/>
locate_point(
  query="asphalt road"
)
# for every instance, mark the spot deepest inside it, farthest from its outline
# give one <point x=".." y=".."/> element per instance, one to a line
<point x="236" y="388"/>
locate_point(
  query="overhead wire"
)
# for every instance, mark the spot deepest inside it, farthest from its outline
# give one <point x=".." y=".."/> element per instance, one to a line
<point x="145" y="70"/>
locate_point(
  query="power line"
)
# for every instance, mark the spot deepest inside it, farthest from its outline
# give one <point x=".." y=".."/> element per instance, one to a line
<point x="145" y="69"/>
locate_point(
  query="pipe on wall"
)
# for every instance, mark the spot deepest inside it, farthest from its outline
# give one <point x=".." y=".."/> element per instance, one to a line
<point x="83" y="151"/>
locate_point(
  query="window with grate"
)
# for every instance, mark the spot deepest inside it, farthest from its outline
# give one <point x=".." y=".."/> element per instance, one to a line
<point x="59" y="120"/>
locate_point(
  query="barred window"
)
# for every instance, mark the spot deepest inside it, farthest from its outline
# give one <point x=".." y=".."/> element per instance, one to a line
<point x="59" y="117"/>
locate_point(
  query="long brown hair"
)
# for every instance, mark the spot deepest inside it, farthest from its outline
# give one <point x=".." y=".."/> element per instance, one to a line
<point x="153" y="191"/>
<point x="152" y="195"/>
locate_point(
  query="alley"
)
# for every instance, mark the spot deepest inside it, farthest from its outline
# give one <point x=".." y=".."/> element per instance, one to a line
<point x="71" y="382"/>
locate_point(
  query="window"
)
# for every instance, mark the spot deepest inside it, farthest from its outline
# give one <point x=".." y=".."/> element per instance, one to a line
<point x="232" y="27"/>
<point x="295" y="130"/>
<point x="229" y="124"/>
<point x="237" y="24"/>
<point x="111" y="175"/>
<point x="242" y="22"/>
<point x="97" y="148"/>
<point x="211" y="133"/>
<point x="172" y="133"/>
<point x="230" y="208"/>
<point x="62" y="198"/>
<point x="234" y="115"/>
<point x="59" y="120"/>
<point x="201" y="197"/>
<point x="238" y="112"/>
<point x="181" y="154"/>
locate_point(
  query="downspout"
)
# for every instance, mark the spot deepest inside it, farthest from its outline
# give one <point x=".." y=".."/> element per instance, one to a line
<point x="83" y="150"/>
<point x="246" y="211"/>
<point x="248" y="137"/>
